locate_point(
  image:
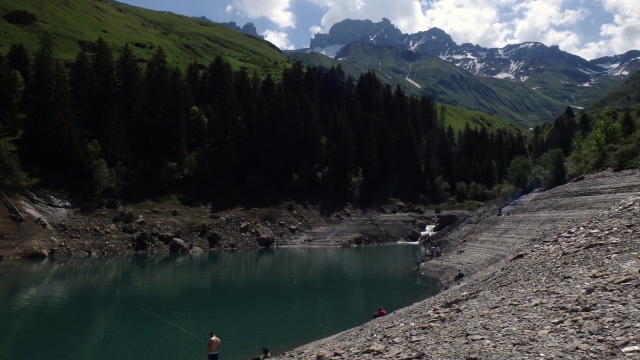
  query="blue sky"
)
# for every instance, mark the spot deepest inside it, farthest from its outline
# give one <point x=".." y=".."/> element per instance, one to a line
<point x="589" y="28"/>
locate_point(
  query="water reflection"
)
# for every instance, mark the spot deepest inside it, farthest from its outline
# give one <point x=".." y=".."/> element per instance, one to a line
<point x="163" y="306"/>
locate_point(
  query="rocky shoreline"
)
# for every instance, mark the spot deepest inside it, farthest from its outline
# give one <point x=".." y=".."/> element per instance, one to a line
<point x="41" y="226"/>
<point x="558" y="278"/>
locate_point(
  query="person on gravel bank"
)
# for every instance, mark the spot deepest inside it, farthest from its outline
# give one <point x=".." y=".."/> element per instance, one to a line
<point x="380" y="312"/>
<point x="418" y="262"/>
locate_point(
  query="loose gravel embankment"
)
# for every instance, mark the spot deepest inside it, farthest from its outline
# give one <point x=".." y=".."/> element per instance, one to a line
<point x="558" y="278"/>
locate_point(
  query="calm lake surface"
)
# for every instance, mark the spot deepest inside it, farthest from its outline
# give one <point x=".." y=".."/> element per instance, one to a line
<point x="163" y="306"/>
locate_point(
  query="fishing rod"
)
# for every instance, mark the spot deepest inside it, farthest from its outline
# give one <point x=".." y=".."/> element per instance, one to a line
<point x="172" y="324"/>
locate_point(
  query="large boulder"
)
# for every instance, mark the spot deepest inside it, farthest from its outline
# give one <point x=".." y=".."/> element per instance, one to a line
<point x="421" y="225"/>
<point x="415" y="235"/>
<point x="142" y="242"/>
<point x="265" y="241"/>
<point x="417" y="209"/>
<point x="38" y="254"/>
<point x="213" y="238"/>
<point x="264" y="236"/>
<point x="129" y="229"/>
<point x="196" y="251"/>
<point x="402" y="207"/>
<point x="444" y="220"/>
<point x="245" y="227"/>
<point x="167" y="237"/>
<point x="178" y="246"/>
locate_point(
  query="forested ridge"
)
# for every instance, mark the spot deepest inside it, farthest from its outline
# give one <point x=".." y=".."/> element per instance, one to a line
<point x="106" y="125"/>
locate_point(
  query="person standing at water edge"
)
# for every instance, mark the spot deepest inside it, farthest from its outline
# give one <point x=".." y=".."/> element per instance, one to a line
<point x="213" y="346"/>
<point x="418" y="261"/>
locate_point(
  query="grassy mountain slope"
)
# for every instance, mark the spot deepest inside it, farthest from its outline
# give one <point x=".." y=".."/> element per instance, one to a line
<point x="568" y="85"/>
<point x="625" y="96"/>
<point x="427" y="75"/>
<point x="184" y="39"/>
<point x="457" y="116"/>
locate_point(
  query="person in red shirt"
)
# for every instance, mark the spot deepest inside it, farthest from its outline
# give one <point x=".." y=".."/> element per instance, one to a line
<point x="380" y="312"/>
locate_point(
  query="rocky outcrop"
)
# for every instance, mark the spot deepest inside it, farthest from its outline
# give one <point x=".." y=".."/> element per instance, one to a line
<point x="445" y="220"/>
<point x="558" y="278"/>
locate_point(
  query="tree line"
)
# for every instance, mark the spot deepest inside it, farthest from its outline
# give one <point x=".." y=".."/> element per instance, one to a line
<point x="106" y="125"/>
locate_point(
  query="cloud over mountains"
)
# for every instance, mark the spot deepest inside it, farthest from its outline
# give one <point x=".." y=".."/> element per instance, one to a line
<point x="588" y="28"/>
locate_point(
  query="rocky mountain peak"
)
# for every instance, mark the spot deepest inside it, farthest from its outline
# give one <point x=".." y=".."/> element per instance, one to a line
<point x="516" y="61"/>
<point x="366" y="31"/>
<point x="248" y="28"/>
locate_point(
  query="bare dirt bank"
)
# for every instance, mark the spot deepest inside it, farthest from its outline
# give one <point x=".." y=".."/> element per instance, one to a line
<point x="43" y="226"/>
<point x="558" y="278"/>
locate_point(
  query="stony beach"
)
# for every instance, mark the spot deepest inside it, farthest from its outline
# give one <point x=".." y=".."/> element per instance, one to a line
<point x="558" y="278"/>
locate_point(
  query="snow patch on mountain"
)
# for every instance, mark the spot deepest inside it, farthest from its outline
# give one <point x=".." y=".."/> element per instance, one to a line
<point x="414" y="44"/>
<point x="514" y="71"/>
<point x="413" y="82"/>
<point x="409" y="79"/>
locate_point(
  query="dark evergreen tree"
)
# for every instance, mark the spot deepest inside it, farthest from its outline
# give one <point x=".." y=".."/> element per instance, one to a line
<point x="627" y="123"/>
<point x="40" y="103"/>
<point x="50" y="139"/>
<point x="128" y="94"/>
<point x="10" y="96"/>
<point x="19" y="60"/>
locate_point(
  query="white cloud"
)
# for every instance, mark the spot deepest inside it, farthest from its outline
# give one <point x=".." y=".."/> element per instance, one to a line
<point x="406" y="14"/>
<point x="547" y="21"/>
<point x="279" y="39"/>
<point x="278" y="11"/>
<point x="496" y="23"/>
<point x="474" y="21"/>
<point x="623" y="32"/>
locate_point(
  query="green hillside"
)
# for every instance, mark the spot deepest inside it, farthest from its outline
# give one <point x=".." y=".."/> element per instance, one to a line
<point x="420" y="74"/>
<point x="457" y="116"/>
<point x="568" y="85"/>
<point x="625" y="96"/>
<point x="76" y="23"/>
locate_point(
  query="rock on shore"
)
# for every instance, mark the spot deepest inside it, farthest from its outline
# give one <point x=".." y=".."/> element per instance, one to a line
<point x="558" y="278"/>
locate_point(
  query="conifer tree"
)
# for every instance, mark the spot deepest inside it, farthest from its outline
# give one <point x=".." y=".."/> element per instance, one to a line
<point x="10" y="95"/>
<point x="128" y="93"/>
<point x="19" y="60"/>
<point x="627" y="123"/>
<point x="40" y="102"/>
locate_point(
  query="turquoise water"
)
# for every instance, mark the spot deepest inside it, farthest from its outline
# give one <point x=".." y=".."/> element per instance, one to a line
<point x="163" y="306"/>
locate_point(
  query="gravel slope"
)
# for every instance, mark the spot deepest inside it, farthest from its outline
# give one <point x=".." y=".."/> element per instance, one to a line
<point x="558" y="278"/>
